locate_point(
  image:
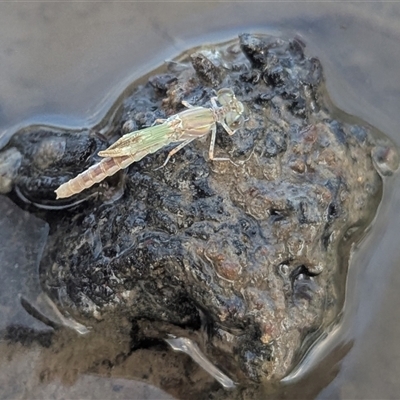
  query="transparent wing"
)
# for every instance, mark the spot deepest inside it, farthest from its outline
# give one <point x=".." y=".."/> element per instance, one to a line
<point x="142" y="142"/>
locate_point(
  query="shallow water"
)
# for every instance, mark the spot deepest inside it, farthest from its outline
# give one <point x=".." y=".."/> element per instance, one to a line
<point x="66" y="64"/>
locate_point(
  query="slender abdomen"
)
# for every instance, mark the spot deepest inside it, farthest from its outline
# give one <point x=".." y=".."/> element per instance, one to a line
<point x="95" y="174"/>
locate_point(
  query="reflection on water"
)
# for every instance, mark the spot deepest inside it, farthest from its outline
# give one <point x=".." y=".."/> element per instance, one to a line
<point x="23" y="237"/>
<point x="57" y="60"/>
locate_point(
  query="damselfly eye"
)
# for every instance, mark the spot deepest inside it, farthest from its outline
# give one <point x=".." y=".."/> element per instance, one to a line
<point x="234" y="120"/>
<point x="225" y="96"/>
<point x="238" y="123"/>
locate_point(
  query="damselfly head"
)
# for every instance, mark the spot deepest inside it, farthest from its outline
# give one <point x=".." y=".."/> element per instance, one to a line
<point x="234" y="108"/>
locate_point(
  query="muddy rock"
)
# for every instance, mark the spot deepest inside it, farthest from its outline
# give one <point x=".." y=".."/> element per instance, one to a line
<point x="248" y="258"/>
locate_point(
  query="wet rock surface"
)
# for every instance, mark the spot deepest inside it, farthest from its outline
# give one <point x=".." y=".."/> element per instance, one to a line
<point x="248" y="259"/>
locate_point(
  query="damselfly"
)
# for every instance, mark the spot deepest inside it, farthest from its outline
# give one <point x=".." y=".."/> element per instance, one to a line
<point x="186" y="126"/>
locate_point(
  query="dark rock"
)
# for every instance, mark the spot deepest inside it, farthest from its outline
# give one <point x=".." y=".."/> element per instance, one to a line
<point x="252" y="252"/>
